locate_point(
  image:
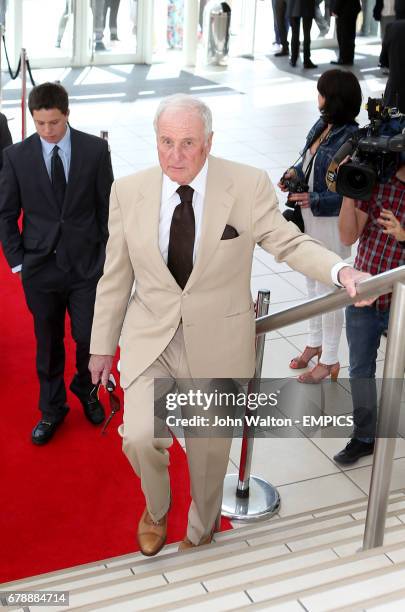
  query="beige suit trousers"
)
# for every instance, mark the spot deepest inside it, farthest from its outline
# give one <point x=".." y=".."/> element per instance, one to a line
<point x="207" y="457"/>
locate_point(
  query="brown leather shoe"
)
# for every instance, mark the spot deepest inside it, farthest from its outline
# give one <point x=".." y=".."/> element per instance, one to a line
<point x="151" y="534"/>
<point x="186" y="543"/>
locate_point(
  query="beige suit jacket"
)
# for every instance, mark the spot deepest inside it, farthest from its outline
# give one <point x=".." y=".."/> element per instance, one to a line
<point x="216" y="306"/>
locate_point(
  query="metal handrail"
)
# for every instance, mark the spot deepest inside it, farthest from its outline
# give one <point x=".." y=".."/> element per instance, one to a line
<point x="376" y="285"/>
<point x="394" y="366"/>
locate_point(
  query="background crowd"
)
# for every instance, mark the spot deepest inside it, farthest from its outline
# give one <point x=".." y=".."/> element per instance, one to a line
<point x="290" y="14"/>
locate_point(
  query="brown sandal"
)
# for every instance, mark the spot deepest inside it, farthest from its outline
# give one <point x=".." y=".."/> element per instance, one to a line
<point x="319" y="373"/>
<point x="300" y="362"/>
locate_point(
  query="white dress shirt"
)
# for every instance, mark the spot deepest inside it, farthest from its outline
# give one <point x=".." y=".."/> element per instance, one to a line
<point x="170" y="199"/>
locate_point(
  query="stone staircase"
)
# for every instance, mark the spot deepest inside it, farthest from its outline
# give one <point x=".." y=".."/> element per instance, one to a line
<point x="310" y="561"/>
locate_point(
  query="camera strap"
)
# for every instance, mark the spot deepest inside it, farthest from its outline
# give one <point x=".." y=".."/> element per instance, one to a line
<point x="308" y="169"/>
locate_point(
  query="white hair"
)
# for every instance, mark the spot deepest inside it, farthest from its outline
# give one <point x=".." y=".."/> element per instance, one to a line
<point x="187" y="103"/>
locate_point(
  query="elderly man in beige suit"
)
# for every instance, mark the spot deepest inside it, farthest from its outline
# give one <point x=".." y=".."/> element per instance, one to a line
<point x="185" y="232"/>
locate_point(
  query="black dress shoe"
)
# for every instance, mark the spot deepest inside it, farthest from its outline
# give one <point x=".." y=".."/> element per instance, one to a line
<point x="100" y="46"/>
<point x="353" y="450"/>
<point x="93" y="408"/>
<point x="284" y="51"/>
<point x="293" y="63"/>
<point x="310" y="64"/>
<point x="340" y="63"/>
<point x="44" y="430"/>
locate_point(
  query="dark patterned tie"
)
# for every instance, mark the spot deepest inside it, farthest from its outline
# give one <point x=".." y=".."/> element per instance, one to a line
<point x="182" y="234"/>
<point x="58" y="178"/>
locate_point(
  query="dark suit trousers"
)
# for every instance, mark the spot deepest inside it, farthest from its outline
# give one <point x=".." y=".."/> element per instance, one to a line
<point x="49" y="295"/>
<point x="346" y="35"/>
<point x="280" y="11"/>
<point x="113" y="5"/>
<point x="295" y="38"/>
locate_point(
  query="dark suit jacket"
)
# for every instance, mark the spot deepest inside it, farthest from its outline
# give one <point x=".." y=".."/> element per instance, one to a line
<point x="400" y="9"/>
<point x="379" y="5"/>
<point x="79" y="229"/>
<point x="5" y="136"/>
<point x="393" y="56"/>
<point x="345" y="7"/>
<point x="300" y="8"/>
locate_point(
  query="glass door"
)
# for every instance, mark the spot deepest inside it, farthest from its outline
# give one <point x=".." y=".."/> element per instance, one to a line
<point x="168" y="28"/>
<point x="115" y="30"/>
<point x="75" y="32"/>
<point x="47" y="31"/>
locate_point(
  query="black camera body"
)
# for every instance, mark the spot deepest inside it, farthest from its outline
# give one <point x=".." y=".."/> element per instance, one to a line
<point x="374" y="152"/>
<point x="294" y="185"/>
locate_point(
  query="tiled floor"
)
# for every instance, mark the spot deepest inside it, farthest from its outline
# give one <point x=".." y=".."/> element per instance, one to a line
<point x="261" y="116"/>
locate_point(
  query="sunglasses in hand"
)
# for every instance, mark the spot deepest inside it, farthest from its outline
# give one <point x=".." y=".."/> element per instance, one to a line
<point x="115" y="405"/>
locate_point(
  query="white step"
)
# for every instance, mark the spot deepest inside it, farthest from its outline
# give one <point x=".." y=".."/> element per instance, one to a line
<point x="210" y="560"/>
<point x="215" y="581"/>
<point x="348" y="594"/>
<point x="389" y="606"/>
<point x="139" y="563"/>
<point x="271" y="562"/>
<point x="306" y="580"/>
<point x="337" y="581"/>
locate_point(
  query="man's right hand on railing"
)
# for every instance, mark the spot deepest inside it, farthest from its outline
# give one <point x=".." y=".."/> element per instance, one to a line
<point x="348" y="277"/>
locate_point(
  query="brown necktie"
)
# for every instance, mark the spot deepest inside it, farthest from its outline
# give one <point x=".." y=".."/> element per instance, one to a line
<point x="182" y="234"/>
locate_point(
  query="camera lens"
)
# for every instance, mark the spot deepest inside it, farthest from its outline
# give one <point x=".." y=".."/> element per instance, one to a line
<point x="357" y="180"/>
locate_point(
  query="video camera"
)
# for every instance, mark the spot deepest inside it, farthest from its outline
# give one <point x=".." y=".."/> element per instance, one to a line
<point x="374" y="152"/>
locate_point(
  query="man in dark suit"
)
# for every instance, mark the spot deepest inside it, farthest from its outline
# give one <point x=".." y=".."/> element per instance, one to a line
<point x="346" y="12"/>
<point x="60" y="179"/>
<point x="282" y="21"/>
<point x="297" y="10"/>
<point x="393" y="56"/>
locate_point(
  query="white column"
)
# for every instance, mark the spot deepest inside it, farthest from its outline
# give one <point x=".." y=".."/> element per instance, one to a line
<point x="190" y="29"/>
<point x="82" y="34"/>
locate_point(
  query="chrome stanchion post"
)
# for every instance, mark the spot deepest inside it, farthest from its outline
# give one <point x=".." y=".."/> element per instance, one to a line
<point x="23" y="94"/>
<point x="388" y="419"/>
<point x="262" y="308"/>
<point x="249" y="497"/>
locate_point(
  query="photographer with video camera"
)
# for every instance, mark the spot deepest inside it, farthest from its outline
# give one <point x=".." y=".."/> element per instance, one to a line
<point x="339" y="101"/>
<point x="373" y="212"/>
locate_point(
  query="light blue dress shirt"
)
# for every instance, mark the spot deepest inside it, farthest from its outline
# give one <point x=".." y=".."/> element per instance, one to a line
<point x="65" y="152"/>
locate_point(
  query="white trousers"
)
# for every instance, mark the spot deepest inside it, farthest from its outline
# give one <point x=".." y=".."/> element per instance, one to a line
<point x="325" y="329"/>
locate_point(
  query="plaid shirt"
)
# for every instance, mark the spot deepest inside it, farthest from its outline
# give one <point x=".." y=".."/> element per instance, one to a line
<point x="378" y="252"/>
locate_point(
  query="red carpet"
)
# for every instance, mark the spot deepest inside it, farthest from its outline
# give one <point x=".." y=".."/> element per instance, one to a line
<point x="75" y="500"/>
